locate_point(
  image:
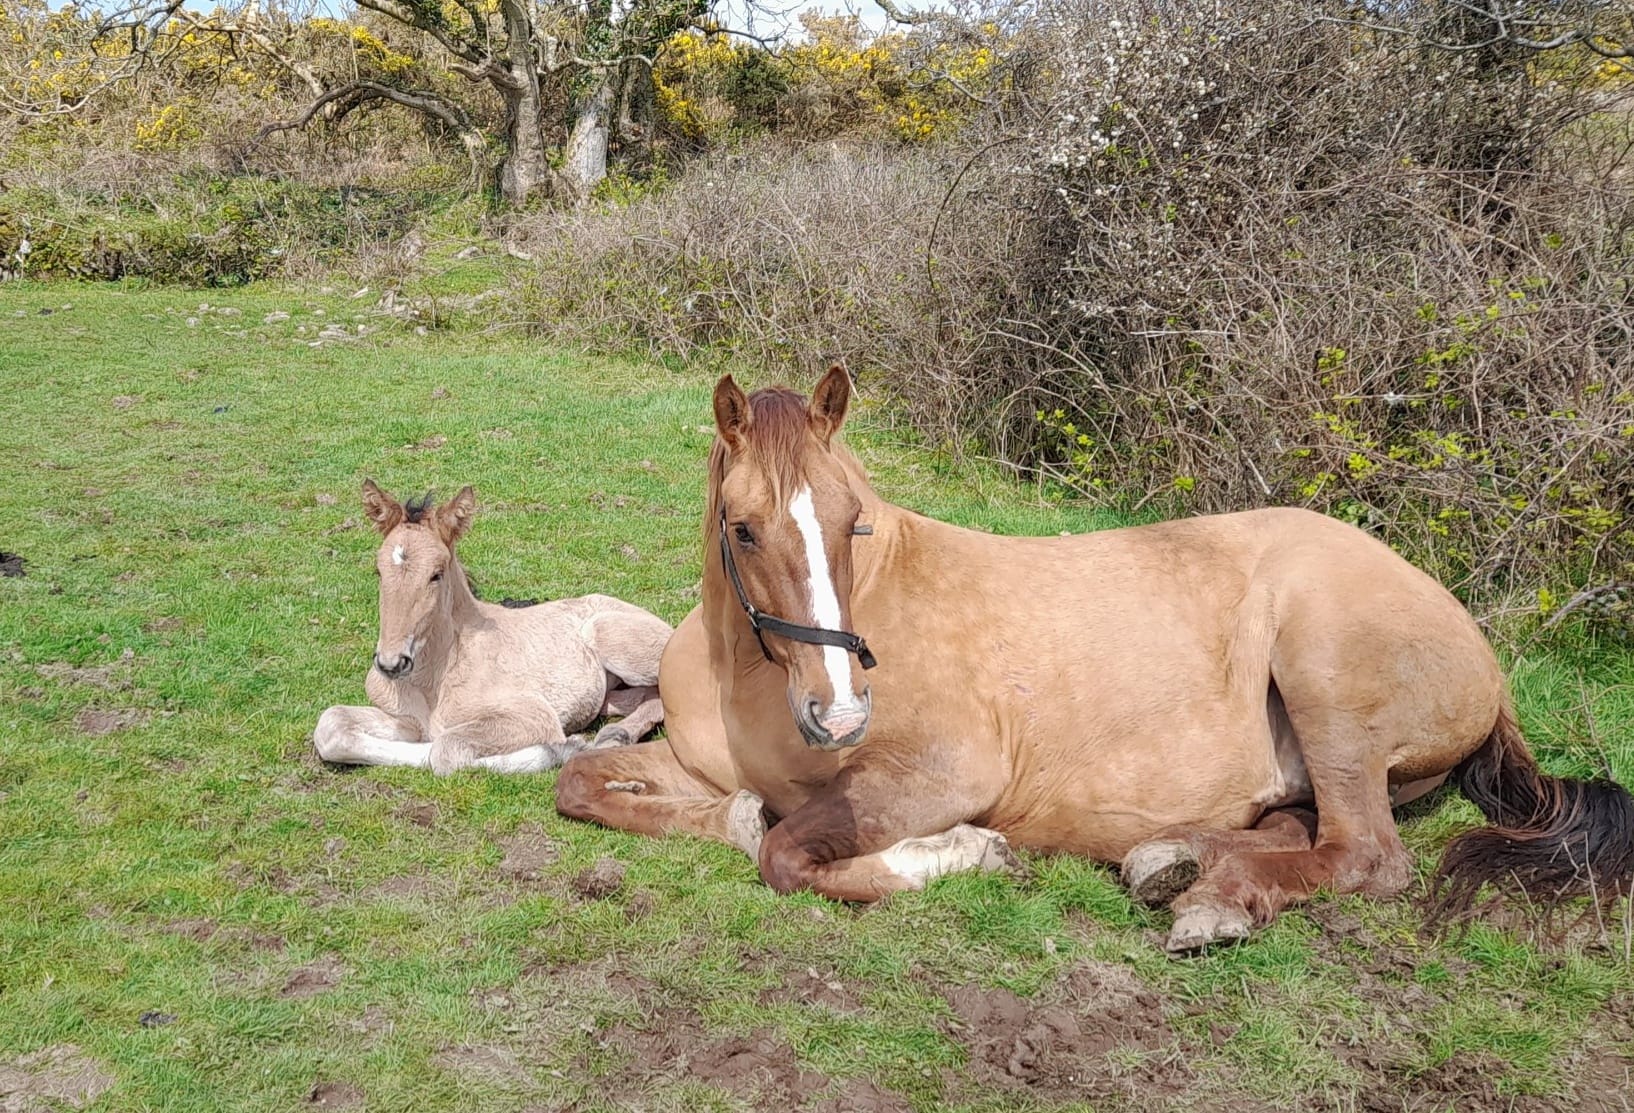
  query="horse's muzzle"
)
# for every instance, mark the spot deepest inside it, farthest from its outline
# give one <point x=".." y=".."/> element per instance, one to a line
<point x="836" y="728"/>
<point x="397" y="669"/>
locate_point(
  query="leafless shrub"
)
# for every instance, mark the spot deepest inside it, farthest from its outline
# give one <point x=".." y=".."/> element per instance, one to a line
<point x="791" y="257"/>
<point x="1217" y="254"/>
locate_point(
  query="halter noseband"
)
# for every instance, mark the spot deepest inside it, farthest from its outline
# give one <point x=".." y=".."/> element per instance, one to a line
<point x="762" y="623"/>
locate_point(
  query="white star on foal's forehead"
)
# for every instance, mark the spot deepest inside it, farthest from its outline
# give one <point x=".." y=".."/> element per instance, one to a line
<point x="397" y="556"/>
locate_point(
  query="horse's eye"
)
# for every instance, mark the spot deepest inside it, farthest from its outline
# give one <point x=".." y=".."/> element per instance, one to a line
<point x="436" y="577"/>
<point x="744" y="536"/>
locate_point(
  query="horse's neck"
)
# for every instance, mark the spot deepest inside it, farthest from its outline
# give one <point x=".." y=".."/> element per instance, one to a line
<point x="443" y="641"/>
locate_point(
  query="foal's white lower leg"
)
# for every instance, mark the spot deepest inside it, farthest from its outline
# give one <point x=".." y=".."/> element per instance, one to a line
<point x="369" y="736"/>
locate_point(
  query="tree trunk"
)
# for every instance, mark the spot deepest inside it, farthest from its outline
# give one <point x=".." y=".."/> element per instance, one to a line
<point x="526" y="171"/>
<point x="584" y="159"/>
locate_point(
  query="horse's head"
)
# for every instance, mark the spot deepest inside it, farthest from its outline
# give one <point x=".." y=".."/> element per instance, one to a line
<point x="417" y="570"/>
<point x="782" y="511"/>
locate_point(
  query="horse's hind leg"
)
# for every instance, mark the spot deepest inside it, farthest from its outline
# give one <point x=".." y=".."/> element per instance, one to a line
<point x="1166" y="865"/>
<point x="643" y="788"/>
<point x="369" y="736"/>
<point x="640" y="710"/>
<point x="1355" y="849"/>
<point x="630" y="644"/>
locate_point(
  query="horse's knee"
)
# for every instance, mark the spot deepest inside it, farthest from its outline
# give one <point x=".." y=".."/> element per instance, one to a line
<point x="785" y="865"/>
<point x="329" y="737"/>
<point x="577" y="787"/>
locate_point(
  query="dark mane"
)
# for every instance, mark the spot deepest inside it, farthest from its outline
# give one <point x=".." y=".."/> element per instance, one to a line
<point x="415" y="510"/>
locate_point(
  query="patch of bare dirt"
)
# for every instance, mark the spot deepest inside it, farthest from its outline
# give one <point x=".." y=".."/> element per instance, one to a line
<point x="812" y="988"/>
<point x="1058" y="1045"/>
<point x="600" y="881"/>
<point x="335" y="1095"/>
<point x="421" y="813"/>
<point x="528" y="854"/>
<point x="162" y="625"/>
<point x="409" y="887"/>
<point x="861" y="1096"/>
<point x="12" y="565"/>
<point x="46" y="1080"/>
<point x="496" y="1066"/>
<point x="112" y="677"/>
<point x="373" y="1025"/>
<point x="760" y="1067"/>
<point x="96" y="722"/>
<point x="319" y="976"/>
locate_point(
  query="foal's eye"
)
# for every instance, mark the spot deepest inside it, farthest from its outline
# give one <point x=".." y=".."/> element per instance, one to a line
<point x="436" y="577"/>
<point x="744" y="536"/>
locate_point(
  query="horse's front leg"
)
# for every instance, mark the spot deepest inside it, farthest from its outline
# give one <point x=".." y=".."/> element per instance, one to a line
<point x="369" y="736"/>
<point x="513" y="740"/>
<point x="643" y="788"/>
<point x="866" y="835"/>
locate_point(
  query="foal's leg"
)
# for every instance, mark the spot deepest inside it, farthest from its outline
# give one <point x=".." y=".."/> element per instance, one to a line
<point x="864" y="836"/>
<point x="641" y="711"/>
<point x="526" y="739"/>
<point x="369" y="736"/>
<point x="630" y="644"/>
<point x="643" y="788"/>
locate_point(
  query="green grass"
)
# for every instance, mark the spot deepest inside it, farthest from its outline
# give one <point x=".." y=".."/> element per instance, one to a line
<point x="185" y="497"/>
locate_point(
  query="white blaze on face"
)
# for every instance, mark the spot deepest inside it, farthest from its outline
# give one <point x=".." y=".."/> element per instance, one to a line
<point x="397" y="556"/>
<point x="825" y="604"/>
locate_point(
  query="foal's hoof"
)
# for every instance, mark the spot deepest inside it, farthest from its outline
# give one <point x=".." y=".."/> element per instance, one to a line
<point x="746" y="823"/>
<point x="1199" y="927"/>
<point x="612" y="735"/>
<point x="1157" y="872"/>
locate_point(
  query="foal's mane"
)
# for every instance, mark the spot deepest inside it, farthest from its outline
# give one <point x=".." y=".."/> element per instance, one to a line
<point x="778" y="424"/>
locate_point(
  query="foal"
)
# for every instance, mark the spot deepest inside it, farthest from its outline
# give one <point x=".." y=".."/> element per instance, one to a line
<point x="459" y="682"/>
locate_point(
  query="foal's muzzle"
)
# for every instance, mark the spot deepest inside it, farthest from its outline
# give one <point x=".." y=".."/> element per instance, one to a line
<point x="396" y="669"/>
<point x="834" y="727"/>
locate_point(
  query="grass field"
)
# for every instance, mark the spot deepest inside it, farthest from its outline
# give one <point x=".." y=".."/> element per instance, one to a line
<point x="195" y="914"/>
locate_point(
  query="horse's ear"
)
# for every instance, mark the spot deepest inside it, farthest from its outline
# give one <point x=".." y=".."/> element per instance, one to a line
<point x="731" y="413"/>
<point x="454" y="516"/>
<point x="384" y="511"/>
<point x="829" y="402"/>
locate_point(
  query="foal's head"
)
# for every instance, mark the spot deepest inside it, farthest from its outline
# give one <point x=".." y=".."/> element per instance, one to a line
<point x="417" y="570"/>
<point x="790" y="510"/>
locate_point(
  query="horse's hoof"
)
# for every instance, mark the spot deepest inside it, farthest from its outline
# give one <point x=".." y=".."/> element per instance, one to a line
<point x="999" y="858"/>
<point x="612" y="735"/>
<point x="1159" y="871"/>
<point x="1197" y="928"/>
<point x="746" y="823"/>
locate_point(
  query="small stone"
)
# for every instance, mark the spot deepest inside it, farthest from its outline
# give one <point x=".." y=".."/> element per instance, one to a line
<point x="156" y="1020"/>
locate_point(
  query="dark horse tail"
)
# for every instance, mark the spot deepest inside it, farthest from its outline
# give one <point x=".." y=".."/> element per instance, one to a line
<point x="1550" y="838"/>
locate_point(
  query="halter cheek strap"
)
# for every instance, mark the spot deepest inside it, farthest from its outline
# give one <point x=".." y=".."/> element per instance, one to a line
<point x="762" y="623"/>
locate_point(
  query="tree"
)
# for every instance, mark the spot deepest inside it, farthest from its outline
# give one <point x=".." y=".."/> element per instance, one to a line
<point x="535" y="55"/>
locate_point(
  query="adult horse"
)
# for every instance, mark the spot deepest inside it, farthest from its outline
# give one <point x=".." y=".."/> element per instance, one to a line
<point x="1177" y="698"/>
<point x="457" y="682"/>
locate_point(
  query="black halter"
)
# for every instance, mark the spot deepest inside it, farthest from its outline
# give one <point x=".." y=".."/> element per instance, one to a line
<point x="762" y="623"/>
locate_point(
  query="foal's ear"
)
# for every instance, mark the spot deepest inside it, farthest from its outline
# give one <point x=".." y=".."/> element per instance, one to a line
<point x="829" y="402"/>
<point x="454" y="516"/>
<point x="731" y="413"/>
<point x="384" y="511"/>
